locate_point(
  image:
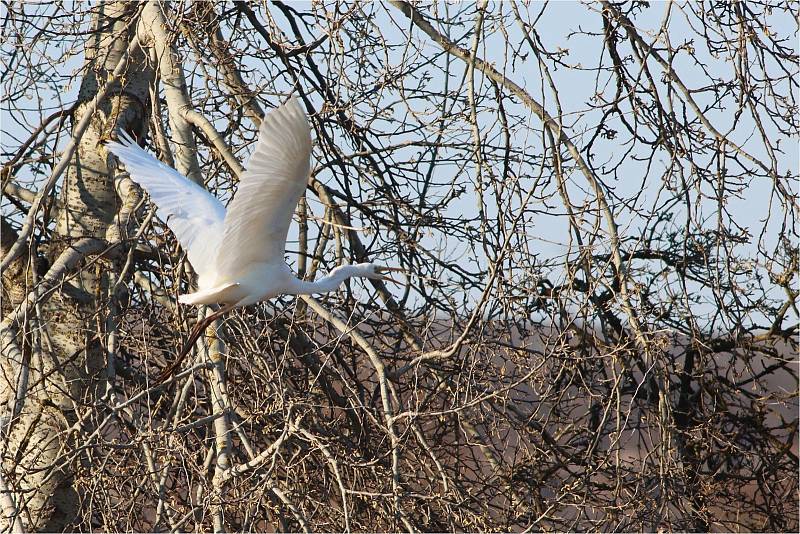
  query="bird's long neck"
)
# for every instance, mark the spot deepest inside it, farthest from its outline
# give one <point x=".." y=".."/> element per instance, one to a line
<point x="325" y="284"/>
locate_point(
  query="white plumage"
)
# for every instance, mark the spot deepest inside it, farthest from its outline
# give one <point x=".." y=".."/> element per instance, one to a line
<point x="238" y="253"/>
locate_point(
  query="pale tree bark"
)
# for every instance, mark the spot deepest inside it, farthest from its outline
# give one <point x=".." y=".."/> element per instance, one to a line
<point x="592" y="335"/>
<point x="63" y="376"/>
<point x="181" y="118"/>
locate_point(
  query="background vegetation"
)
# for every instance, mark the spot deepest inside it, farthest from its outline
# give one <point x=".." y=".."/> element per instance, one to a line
<point x="596" y="207"/>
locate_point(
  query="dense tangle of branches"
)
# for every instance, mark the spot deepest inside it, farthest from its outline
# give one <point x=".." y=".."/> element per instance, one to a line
<point x="596" y="205"/>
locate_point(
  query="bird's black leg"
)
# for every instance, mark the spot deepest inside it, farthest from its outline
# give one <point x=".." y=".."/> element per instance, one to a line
<point x="197" y="331"/>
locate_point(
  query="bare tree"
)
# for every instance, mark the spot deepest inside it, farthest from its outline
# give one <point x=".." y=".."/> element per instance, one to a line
<point x="596" y="205"/>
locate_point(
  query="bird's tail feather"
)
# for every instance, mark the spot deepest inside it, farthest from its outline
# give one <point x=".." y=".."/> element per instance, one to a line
<point x="215" y="295"/>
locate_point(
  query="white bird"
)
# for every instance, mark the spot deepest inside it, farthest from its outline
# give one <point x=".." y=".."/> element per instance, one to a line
<point x="238" y="252"/>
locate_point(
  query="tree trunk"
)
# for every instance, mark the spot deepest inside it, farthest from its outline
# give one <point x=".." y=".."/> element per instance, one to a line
<point x="64" y="363"/>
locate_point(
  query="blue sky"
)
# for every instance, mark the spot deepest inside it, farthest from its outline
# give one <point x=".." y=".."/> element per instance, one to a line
<point x="635" y="186"/>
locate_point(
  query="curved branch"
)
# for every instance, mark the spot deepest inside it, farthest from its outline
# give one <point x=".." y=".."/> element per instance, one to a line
<point x="66" y="156"/>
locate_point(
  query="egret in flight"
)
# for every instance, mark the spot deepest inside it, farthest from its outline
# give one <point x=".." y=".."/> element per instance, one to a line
<point x="238" y="252"/>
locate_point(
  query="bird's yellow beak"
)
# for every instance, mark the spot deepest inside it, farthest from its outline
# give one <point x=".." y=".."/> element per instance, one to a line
<point x="381" y="270"/>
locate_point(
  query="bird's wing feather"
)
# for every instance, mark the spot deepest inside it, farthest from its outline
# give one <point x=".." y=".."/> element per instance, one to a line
<point x="194" y="215"/>
<point x="259" y="215"/>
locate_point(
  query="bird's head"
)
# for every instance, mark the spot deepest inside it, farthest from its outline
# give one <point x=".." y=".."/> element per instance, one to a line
<point x="373" y="271"/>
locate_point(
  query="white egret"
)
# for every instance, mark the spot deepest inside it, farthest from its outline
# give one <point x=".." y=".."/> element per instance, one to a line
<point x="238" y="252"/>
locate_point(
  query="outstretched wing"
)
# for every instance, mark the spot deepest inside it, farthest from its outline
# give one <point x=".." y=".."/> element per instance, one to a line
<point x="277" y="173"/>
<point x="193" y="214"/>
